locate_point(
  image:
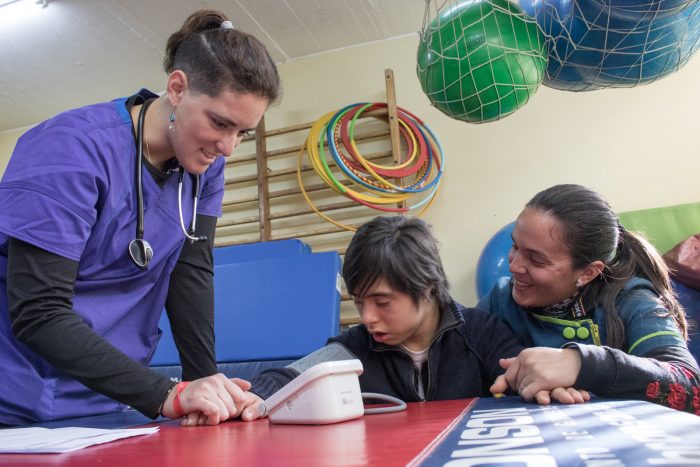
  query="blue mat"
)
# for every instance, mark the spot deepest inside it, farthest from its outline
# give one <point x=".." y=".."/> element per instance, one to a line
<point x="260" y="251"/>
<point x="690" y="299"/>
<point x="276" y="309"/>
<point x="243" y="370"/>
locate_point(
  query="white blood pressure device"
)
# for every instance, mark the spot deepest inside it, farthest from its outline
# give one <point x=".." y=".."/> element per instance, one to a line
<point x="328" y="392"/>
<point x="325" y="392"/>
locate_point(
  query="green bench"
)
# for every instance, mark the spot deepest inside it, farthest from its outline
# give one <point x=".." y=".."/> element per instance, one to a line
<point x="664" y="227"/>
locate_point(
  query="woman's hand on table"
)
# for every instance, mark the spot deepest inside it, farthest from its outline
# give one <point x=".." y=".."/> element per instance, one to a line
<point x="208" y="401"/>
<point x="543" y="374"/>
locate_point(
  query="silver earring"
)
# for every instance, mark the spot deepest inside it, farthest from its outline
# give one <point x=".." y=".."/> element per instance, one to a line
<point x="579" y="283"/>
<point x="171" y="125"/>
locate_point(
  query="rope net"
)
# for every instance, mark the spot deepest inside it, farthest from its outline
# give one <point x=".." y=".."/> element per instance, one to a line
<point x="479" y="61"/>
<point x="596" y="44"/>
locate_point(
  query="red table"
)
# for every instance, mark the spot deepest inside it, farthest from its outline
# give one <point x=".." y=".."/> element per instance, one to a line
<point x="383" y="439"/>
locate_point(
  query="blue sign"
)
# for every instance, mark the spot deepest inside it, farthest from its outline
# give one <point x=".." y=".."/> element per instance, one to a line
<point x="611" y="433"/>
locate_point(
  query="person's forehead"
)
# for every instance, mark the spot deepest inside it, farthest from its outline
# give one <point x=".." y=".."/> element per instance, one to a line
<point x="540" y="232"/>
<point x="243" y="109"/>
<point x="380" y="288"/>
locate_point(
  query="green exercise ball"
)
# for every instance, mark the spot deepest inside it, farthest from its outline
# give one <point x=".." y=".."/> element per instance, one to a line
<point x="481" y="60"/>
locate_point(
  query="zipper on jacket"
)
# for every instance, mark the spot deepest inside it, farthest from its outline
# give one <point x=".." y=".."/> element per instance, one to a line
<point x="413" y="369"/>
<point x="427" y="360"/>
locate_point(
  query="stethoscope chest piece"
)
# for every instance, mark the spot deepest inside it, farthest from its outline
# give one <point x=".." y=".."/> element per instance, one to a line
<point x="141" y="252"/>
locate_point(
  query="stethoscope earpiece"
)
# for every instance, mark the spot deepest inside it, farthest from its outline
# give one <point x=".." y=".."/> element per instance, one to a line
<point x="140" y="252"/>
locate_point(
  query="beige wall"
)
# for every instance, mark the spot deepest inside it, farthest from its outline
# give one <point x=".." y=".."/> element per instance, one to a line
<point x="639" y="147"/>
<point x="8" y="139"/>
<point x="636" y="146"/>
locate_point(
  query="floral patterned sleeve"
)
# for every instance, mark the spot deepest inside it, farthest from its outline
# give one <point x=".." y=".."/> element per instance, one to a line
<point x="679" y="387"/>
<point x="667" y="375"/>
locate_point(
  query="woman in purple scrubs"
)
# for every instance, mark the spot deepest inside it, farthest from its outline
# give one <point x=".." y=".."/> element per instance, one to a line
<point x="84" y="276"/>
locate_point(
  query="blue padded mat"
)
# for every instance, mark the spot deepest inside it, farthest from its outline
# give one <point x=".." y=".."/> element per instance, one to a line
<point x="690" y="299"/>
<point x="243" y="370"/>
<point x="260" y="251"/>
<point x="279" y="309"/>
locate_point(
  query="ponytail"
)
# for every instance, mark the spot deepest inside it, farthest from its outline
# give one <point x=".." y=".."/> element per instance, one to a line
<point x="196" y="22"/>
<point x="216" y="56"/>
<point x="637" y="257"/>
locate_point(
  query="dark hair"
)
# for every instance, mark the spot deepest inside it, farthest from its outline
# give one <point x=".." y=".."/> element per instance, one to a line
<point x="214" y="58"/>
<point x="592" y="232"/>
<point x="400" y="250"/>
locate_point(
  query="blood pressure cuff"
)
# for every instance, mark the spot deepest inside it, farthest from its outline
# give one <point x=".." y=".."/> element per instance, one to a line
<point x="270" y="381"/>
<point x="332" y="352"/>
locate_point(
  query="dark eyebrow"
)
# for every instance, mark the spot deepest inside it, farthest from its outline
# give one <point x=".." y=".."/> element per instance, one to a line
<point x="540" y="254"/>
<point x="377" y="295"/>
<point x="229" y="122"/>
<point x="223" y="119"/>
<point x="530" y="250"/>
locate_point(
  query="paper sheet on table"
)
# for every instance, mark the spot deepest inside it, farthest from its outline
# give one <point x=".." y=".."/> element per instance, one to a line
<point x="47" y="440"/>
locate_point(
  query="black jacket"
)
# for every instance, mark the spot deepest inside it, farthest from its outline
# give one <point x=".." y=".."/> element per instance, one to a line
<point x="462" y="360"/>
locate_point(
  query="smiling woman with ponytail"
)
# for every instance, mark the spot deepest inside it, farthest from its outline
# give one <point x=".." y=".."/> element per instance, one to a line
<point x="595" y="302"/>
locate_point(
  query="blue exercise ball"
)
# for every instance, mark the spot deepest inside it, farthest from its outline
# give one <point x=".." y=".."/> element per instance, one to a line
<point x="593" y="46"/>
<point x="493" y="261"/>
<point x="643" y="9"/>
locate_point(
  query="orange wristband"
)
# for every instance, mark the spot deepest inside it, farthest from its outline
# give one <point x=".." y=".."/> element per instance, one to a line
<point x="177" y="406"/>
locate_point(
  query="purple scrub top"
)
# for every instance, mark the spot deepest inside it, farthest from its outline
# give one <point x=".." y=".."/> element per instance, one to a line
<point x="69" y="189"/>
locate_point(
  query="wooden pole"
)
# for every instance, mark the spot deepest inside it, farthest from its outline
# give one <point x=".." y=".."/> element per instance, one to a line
<point x="393" y="124"/>
<point x="263" y="199"/>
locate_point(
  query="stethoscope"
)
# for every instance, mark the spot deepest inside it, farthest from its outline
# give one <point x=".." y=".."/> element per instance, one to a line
<point x="139" y="249"/>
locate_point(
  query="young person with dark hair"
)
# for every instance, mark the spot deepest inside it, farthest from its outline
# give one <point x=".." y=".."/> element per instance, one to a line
<point x="92" y="246"/>
<point x="415" y="342"/>
<point x="601" y="296"/>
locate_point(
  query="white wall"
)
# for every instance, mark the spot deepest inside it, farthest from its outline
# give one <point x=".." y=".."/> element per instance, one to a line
<point x="8" y="139"/>
<point x="638" y="147"/>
